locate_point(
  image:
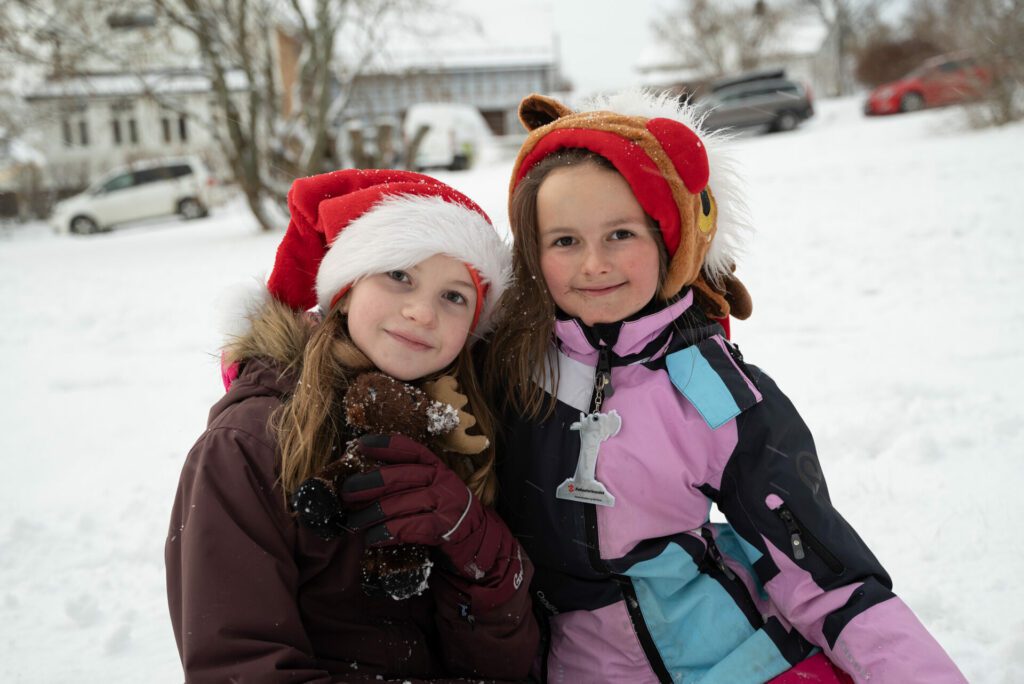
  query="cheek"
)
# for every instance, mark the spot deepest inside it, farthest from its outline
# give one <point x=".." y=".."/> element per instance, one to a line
<point x="644" y="265"/>
<point x="555" y="269"/>
<point x="456" y="333"/>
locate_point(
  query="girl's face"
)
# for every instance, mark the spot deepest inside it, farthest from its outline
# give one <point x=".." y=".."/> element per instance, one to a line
<point x="414" y="322"/>
<point x="598" y="256"/>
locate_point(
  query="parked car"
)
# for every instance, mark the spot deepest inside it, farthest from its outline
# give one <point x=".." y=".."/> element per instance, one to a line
<point x="143" y="190"/>
<point x="942" y="80"/>
<point x="765" y="98"/>
<point x="455" y="134"/>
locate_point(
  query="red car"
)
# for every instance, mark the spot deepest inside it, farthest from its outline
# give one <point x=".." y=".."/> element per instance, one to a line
<point x="943" y="80"/>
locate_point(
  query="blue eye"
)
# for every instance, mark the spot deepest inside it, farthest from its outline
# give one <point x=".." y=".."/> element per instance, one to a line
<point x="455" y="297"/>
<point x="563" y="242"/>
<point x="400" y="276"/>
<point x="623" y="234"/>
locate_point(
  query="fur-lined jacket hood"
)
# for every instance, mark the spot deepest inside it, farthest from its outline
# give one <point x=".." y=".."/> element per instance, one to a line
<point x="275" y="333"/>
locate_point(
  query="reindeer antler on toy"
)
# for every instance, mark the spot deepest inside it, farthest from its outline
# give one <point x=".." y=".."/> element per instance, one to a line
<point x="376" y="403"/>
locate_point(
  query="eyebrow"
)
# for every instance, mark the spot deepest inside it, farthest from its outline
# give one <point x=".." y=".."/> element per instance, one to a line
<point x="606" y="224"/>
<point x="464" y="283"/>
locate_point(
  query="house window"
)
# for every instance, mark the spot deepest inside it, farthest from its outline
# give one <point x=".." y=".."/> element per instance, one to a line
<point x="172" y="125"/>
<point x="122" y="123"/>
<point x="74" y="125"/>
<point x="131" y="20"/>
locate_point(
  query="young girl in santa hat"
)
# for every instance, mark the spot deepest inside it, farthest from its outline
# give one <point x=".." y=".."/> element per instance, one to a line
<point x="406" y="272"/>
<point x="627" y="413"/>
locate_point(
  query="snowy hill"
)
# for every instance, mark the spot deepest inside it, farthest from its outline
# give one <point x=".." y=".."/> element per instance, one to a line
<point x="888" y="304"/>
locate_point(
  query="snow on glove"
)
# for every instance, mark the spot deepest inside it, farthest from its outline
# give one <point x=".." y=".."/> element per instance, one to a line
<point x="415" y="498"/>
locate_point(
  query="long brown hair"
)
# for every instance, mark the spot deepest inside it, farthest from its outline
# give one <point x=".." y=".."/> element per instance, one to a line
<point x="310" y="425"/>
<point x="519" y="364"/>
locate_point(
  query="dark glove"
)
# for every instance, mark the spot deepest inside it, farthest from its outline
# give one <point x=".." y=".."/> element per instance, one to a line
<point x="414" y="498"/>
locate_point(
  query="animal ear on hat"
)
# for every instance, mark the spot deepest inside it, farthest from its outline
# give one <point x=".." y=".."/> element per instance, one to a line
<point x="730" y="298"/>
<point x="539" y="110"/>
<point x="740" y="303"/>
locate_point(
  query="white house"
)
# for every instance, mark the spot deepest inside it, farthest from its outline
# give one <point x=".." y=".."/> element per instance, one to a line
<point x="138" y="94"/>
<point x="494" y="82"/>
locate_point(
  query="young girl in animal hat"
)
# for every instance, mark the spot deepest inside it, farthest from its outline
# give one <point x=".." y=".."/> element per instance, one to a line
<point x="406" y="272"/>
<point x="628" y="413"/>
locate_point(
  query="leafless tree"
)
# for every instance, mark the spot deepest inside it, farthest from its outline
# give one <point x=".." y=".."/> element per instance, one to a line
<point x="992" y="33"/>
<point x="719" y="37"/>
<point x="850" y="23"/>
<point x="279" y="76"/>
<point x="283" y="125"/>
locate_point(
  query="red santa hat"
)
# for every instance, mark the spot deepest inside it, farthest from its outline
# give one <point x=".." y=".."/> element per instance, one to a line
<point x="353" y="223"/>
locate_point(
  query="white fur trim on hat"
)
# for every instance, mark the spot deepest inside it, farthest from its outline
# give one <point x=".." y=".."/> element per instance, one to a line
<point x="401" y="231"/>
<point x="734" y="226"/>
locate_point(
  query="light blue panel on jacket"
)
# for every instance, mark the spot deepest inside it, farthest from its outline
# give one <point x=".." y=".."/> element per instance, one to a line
<point x="731" y="544"/>
<point x="693" y="376"/>
<point x="696" y="625"/>
<point x="754" y="661"/>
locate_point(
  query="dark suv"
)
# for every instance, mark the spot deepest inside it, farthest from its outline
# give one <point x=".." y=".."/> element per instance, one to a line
<point x="765" y="98"/>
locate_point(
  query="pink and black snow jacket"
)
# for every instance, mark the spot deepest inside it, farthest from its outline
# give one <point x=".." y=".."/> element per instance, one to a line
<point x="649" y="590"/>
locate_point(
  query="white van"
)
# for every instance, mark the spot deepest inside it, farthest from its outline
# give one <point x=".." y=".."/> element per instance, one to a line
<point x="143" y="190"/>
<point x="455" y="135"/>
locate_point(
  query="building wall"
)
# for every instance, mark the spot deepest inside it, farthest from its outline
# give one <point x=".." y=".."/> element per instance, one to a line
<point x="494" y="90"/>
<point x="80" y="137"/>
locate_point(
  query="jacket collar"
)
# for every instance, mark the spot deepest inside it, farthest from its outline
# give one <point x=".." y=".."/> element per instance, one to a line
<point x="623" y="338"/>
<point x="258" y="377"/>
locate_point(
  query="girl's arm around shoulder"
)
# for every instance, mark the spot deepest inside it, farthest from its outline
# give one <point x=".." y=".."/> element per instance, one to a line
<point x="815" y="567"/>
<point x="231" y="574"/>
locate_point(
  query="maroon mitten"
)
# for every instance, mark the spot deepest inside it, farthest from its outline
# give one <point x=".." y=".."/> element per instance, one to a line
<point x="414" y="498"/>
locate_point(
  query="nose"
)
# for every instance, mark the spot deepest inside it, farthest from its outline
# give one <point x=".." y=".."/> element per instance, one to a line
<point x="595" y="260"/>
<point x="420" y="310"/>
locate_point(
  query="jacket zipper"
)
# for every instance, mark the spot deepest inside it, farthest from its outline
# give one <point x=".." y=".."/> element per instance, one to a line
<point x="799" y="537"/>
<point x="643" y="634"/>
<point x="738" y="590"/>
<point x="602" y="390"/>
<point x="716" y="555"/>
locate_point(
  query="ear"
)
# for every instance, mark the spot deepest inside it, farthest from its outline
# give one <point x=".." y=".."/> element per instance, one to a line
<point x="539" y="110"/>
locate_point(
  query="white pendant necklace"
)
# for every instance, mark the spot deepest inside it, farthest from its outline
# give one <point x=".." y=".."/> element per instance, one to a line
<point x="594" y="428"/>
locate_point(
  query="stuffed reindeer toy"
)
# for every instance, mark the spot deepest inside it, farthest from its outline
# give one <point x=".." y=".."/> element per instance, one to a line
<point x="376" y="403"/>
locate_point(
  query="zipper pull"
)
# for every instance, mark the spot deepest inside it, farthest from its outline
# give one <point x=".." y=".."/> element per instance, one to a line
<point x="795" y="542"/>
<point x="716" y="555"/>
<point x="604" y="372"/>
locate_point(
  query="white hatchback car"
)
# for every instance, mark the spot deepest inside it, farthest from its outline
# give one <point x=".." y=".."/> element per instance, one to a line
<point x="143" y="190"/>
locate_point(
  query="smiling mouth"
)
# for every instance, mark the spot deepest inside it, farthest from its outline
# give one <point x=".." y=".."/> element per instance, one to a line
<point x="598" y="291"/>
<point x="409" y="341"/>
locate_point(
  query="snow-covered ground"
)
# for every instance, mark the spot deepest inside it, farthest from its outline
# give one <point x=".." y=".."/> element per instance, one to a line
<point x="888" y="304"/>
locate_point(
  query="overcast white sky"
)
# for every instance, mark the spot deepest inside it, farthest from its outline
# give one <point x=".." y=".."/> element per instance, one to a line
<point x="600" y="41"/>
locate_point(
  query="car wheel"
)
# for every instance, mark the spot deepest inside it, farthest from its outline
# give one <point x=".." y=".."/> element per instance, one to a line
<point x="83" y="225"/>
<point x="911" y="102"/>
<point x="190" y="208"/>
<point x="785" y="121"/>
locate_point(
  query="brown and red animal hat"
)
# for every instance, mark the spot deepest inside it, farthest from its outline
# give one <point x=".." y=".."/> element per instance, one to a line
<point x="678" y="174"/>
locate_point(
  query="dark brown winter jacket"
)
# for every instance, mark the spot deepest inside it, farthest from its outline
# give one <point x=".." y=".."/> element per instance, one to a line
<point x="255" y="597"/>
